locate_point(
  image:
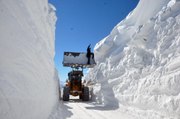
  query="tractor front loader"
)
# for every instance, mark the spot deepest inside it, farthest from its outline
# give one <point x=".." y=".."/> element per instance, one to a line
<point x="74" y="85"/>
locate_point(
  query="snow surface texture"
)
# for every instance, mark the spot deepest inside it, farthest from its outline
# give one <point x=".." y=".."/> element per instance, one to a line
<point x="28" y="79"/>
<point x="138" y="64"/>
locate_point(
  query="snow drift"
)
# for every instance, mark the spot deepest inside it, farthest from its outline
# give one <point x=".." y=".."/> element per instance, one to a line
<point x="28" y="79"/>
<point x="138" y="64"/>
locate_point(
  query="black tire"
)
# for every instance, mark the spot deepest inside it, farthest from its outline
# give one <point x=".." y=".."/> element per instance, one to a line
<point x="66" y="94"/>
<point x="85" y="94"/>
<point x="80" y="96"/>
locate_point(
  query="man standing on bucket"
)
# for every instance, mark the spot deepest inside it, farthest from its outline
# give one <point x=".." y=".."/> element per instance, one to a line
<point x="88" y="55"/>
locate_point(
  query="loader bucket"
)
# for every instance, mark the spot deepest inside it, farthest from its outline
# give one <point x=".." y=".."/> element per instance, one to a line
<point x="78" y="59"/>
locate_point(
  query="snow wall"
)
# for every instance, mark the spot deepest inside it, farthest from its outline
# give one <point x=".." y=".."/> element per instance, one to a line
<point x="138" y="63"/>
<point x="28" y="79"/>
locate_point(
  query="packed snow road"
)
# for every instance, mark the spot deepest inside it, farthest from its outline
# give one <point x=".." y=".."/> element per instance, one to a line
<point x="77" y="109"/>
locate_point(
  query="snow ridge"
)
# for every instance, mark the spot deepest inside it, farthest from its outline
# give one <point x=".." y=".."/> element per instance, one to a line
<point x="138" y="64"/>
<point x="28" y="79"/>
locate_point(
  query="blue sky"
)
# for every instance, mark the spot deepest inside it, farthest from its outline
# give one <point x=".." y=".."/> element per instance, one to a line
<point x="84" y="22"/>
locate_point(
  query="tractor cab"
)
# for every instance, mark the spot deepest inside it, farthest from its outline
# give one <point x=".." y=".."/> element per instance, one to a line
<point x="75" y="80"/>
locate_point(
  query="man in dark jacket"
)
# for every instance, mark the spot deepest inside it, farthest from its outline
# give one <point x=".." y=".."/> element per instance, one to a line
<point x="88" y="55"/>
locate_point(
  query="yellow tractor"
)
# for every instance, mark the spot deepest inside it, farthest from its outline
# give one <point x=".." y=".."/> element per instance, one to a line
<point x="74" y="85"/>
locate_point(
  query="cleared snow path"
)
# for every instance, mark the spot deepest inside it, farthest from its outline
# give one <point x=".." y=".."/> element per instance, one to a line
<point x="77" y="109"/>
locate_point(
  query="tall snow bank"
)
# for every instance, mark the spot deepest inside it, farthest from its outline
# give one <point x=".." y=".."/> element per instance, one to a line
<point x="138" y="64"/>
<point x="28" y="79"/>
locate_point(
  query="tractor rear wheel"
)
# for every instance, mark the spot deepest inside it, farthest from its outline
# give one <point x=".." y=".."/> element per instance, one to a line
<point x="66" y="93"/>
<point x="85" y="94"/>
<point x="80" y="96"/>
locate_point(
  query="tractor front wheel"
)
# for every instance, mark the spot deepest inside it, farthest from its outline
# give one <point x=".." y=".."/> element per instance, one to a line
<point x="66" y="93"/>
<point x="85" y="94"/>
